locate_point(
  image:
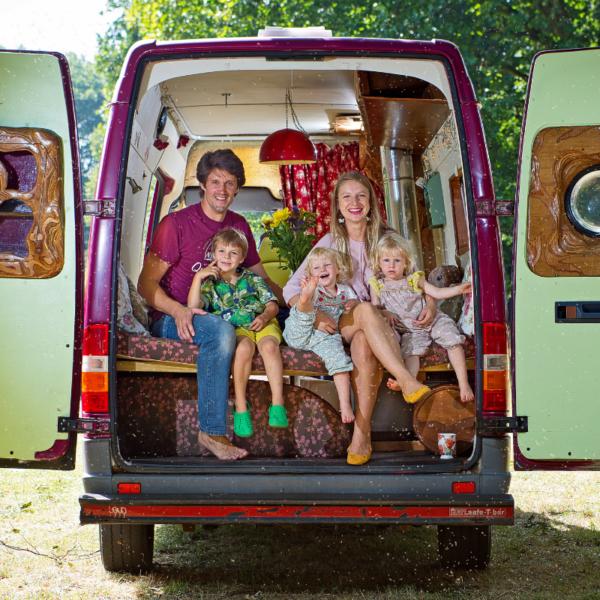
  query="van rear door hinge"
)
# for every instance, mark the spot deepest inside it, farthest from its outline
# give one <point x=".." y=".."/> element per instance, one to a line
<point x="99" y="208"/>
<point x="82" y="425"/>
<point x="503" y="425"/>
<point x="498" y="208"/>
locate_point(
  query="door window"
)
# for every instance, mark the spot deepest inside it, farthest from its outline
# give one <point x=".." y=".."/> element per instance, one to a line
<point x="31" y="204"/>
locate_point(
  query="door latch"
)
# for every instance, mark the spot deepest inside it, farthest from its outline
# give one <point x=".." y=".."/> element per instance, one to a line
<point x="503" y="425"/>
<point x="82" y="425"/>
<point x="99" y="208"/>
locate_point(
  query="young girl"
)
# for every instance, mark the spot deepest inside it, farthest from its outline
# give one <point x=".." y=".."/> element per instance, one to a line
<point x="322" y="290"/>
<point x="244" y="300"/>
<point x="402" y="297"/>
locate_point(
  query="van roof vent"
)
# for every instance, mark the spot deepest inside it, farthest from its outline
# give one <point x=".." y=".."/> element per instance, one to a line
<point x="318" y="32"/>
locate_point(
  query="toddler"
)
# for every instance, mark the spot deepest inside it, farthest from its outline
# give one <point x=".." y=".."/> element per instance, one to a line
<point x="403" y="297"/>
<point x="322" y="290"/>
<point x="244" y="300"/>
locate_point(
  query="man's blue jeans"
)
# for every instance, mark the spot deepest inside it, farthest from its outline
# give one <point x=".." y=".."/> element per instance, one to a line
<point x="216" y="339"/>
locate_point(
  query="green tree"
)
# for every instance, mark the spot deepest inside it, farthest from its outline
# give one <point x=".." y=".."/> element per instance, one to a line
<point x="497" y="39"/>
<point x="88" y="90"/>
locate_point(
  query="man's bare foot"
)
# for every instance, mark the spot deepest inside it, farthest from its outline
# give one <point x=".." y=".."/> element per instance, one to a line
<point x="361" y="443"/>
<point x="394" y="385"/>
<point x="466" y="393"/>
<point x="347" y="414"/>
<point x="221" y="447"/>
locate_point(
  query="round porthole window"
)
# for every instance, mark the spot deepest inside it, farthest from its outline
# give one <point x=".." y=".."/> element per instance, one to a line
<point x="582" y="201"/>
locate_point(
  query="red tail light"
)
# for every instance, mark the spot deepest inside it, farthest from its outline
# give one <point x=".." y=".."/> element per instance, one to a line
<point x="95" y="341"/>
<point x="94" y="377"/>
<point x="495" y="367"/>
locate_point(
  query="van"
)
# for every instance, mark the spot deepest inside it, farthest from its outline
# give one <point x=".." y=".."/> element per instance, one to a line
<point x="77" y="358"/>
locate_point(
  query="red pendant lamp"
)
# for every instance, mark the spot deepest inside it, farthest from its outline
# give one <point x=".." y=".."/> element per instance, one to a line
<point x="288" y="146"/>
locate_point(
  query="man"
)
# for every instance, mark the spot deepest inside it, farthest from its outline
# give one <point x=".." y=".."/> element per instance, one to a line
<point x="180" y="248"/>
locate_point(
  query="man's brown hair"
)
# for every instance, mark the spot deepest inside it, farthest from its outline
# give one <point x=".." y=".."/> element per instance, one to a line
<point x="223" y="159"/>
<point x="229" y="236"/>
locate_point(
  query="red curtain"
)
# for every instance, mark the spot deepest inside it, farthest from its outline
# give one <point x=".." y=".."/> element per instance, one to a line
<point x="311" y="186"/>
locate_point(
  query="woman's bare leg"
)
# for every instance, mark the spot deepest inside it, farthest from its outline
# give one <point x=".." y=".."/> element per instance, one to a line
<point x="366" y="379"/>
<point x="241" y="368"/>
<point x="381" y="340"/>
<point x="269" y="350"/>
<point x="412" y="364"/>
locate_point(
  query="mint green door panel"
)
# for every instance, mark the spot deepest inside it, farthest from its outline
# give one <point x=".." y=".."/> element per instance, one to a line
<point x="557" y="365"/>
<point x="37" y="321"/>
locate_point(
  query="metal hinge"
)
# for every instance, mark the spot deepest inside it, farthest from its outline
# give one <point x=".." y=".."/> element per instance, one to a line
<point x="491" y="208"/>
<point x="82" y="425"/>
<point x="99" y="208"/>
<point x="503" y="425"/>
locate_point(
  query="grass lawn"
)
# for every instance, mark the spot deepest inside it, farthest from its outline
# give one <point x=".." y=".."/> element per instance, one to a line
<point x="552" y="552"/>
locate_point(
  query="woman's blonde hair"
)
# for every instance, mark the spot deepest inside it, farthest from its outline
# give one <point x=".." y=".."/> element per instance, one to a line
<point x="394" y="244"/>
<point x="375" y="225"/>
<point x="331" y="254"/>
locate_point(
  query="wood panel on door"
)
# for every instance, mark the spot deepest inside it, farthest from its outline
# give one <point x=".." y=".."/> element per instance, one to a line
<point x="554" y="247"/>
<point x="31" y="204"/>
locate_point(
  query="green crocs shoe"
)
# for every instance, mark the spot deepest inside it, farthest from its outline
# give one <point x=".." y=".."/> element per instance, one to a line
<point x="278" y="417"/>
<point x="242" y="423"/>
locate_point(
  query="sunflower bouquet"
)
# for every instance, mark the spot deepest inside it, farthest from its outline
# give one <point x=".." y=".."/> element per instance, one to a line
<point x="288" y="232"/>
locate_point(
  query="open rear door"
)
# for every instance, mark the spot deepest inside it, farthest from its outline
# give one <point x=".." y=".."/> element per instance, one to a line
<point x="556" y="267"/>
<point x="41" y="261"/>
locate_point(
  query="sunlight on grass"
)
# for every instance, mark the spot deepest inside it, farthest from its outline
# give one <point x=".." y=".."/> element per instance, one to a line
<point x="553" y="551"/>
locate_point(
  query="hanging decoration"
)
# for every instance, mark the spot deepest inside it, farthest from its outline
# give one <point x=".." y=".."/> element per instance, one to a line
<point x="288" y="146"/>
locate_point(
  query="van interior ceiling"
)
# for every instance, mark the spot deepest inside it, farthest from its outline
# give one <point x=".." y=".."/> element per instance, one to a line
<point x="399" y="114"/>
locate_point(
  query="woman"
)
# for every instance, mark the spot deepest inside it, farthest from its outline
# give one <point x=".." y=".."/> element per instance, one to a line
<point x="356" y="226"/>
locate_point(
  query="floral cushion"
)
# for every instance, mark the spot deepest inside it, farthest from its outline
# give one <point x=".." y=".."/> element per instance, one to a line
<point x="296" y="361"/>
<point x="158" y="417"/>
<point x="132" y="315"/>
<point x="315" y="429"/>
<point x="466" y="321"/>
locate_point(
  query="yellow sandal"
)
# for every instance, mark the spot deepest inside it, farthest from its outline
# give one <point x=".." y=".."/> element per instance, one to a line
<point x="358" y="459"/>
<point x="416" y="396"/>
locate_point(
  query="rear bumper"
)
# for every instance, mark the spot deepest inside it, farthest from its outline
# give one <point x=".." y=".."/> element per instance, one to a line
<point x="440" y="510"/>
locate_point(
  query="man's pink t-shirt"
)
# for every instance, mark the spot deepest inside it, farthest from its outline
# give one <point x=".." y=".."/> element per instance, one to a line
<point x="183" y="240"/>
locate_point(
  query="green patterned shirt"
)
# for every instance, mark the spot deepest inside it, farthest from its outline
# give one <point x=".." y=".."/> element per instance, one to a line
<point x="239" y="303"/>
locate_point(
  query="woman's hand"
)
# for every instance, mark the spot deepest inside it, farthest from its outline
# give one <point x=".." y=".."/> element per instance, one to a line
<point x="209" y="270"/>
<point x="324" y="322"/>
<point x="350" y="304"/>
<point x="184" y="319"/>
<point x="259" y="323"/>
<point x="390" y="317"/>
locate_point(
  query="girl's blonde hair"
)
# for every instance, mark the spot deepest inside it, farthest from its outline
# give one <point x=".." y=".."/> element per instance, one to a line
<point x="375" y="225"/>
<point x="394" y="244"/>
<point x="331" y="254"/>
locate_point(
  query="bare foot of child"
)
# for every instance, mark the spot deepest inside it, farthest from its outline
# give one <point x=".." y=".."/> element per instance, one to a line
<point x="221" y="447"/>
<point x="309" y="285"/>
<point x="394" y="385"/>
<point x="347" y="414"/>
<point x="466" y="393"/>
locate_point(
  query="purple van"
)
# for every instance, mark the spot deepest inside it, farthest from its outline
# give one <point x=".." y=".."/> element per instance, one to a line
<point x="405" y="112"/>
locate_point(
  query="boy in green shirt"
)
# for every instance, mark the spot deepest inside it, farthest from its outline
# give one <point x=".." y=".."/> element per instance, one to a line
<point x="244" y="300"/>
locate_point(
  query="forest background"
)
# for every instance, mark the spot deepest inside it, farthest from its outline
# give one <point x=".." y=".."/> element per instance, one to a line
<point x="497" y="38"/>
